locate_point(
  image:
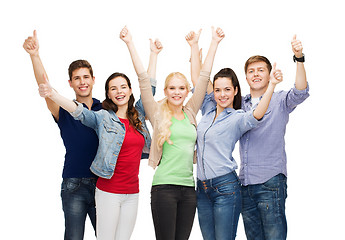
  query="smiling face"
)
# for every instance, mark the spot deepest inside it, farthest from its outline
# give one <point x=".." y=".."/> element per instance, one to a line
<point x="176" y="90"/>
<point x="224" y="93"/>
<point x="258" y="76"/>
<point x="119" y="91"/>
<point x="82" y="82"/>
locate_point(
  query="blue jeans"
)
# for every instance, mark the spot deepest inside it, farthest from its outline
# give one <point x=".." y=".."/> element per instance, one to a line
<point x="78" y="201"/>
<point x="263" y="209"/>
<point x="219" y="206"/>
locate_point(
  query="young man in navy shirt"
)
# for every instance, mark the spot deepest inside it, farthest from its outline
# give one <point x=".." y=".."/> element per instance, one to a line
<point x="81" y="143"/>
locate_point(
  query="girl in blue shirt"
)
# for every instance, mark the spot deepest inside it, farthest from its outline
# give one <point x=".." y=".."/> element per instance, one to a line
<point x="222" y="125"/>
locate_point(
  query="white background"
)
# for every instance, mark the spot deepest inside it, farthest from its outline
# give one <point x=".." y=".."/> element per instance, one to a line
<point x="32" y="150"/>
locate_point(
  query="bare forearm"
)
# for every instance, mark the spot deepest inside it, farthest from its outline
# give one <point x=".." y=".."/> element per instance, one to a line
<point x="63" y="102"/>
<point x="38" y="68"/>
<point x="301" y="77"/>
<point x="151" y="70"/>
<point x="207" y="66"/>
<point x="138" y="66"/>
<point x="195" y="65"/>
<point x="262" y="107"/>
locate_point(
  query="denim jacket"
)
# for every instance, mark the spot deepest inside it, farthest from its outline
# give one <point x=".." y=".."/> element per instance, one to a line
<point x="111" y="133"/>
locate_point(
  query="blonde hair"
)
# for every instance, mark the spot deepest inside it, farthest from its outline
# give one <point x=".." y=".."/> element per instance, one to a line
<point x="165" y="113"/>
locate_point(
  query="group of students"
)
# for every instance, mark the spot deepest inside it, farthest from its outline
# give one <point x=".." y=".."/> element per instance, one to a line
<point x="105" y="141"/>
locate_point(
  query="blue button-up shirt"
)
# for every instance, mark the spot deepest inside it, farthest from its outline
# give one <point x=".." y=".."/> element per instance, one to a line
<point x="216" y="139"/>
<point x="262" y="149"/>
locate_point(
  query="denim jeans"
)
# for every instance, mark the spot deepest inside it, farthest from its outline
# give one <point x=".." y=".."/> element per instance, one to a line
<point x="263" y="209"/>
<point x="78" y="201"/>
<point x="219" y="206"/>
<point x="173" y="210"/>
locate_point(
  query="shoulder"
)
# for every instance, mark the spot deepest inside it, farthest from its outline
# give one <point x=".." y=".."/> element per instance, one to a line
<point x="97" y="105"/>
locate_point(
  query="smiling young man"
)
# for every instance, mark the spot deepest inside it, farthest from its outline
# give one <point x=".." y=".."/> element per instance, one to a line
<point x="263" y="159"/>
<point x="81" y="143"/>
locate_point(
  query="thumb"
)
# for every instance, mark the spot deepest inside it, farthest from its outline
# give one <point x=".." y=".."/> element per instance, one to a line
<point x="294" y="37"/>
<point x="151" y="42"/>
<point x="199" y="31"/>
<point x="274" y="67"/>
<point x="35" y="34"/>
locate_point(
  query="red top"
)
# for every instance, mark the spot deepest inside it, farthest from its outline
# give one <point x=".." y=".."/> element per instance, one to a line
<point x="125" y="179"/>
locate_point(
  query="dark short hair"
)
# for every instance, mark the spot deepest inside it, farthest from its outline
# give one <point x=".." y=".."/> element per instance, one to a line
<point x="79" y="64"/>
<point x="229" y="73"/>
<point x="257" y="58"/>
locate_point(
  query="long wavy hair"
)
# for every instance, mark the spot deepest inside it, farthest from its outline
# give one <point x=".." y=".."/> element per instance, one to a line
<point x="165" y="113"/>
<point x="108" y="104"/>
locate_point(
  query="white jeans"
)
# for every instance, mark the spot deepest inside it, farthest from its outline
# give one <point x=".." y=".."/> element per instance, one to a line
<point x="116" y="215"/>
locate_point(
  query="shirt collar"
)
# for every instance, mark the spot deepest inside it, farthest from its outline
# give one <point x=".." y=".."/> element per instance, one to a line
<point x="248" y="98"/>
<point x="227" y="110"/>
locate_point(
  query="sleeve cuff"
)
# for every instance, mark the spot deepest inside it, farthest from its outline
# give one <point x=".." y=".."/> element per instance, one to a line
<point x="78" y="111"/>
<point x="205" y="74"/>
<point x="153" y="82"/>
<point x="301" y="92"/>
<point x="142" y="75"/>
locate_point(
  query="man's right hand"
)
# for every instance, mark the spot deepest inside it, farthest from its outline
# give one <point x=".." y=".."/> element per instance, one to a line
<point x="31" y="44"/>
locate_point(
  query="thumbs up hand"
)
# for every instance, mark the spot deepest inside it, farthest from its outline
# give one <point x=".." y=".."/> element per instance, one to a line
<point x="192" y="37"/>
<point x="45" y="89"/>
<point x="297" y="47"/>
<point x="276" y="75"/>
<point x="31" y="44"/>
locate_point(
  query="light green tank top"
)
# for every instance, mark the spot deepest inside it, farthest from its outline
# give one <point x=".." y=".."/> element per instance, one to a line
<point x="176" y="165"/>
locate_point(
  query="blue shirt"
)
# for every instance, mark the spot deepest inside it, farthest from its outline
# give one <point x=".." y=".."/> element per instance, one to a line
<point x="216" y="139"/>
<point x="262" y="149"/>
<point x="81" y="143"/>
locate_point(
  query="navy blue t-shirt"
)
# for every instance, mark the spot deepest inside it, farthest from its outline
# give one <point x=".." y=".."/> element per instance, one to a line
<point x="81" y="144"/>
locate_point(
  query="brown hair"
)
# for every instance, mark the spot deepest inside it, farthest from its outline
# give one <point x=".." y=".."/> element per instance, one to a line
<point x="79" y="64"/>
<point x="108" y="104"/>
<point x="257" y="58"/>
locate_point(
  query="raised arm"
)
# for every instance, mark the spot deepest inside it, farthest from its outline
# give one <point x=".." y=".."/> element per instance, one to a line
<point x="301" y="78"/>
<point x="201" y="86"/>
<point x="155" y="48"/>
<point x="195" y="59"/>
<point x="126" y="36"/>
<point x="275" y="78"/>
<point x="31" y="46"/>
<point x="148" y="101"/>
<point x="46" y="91"/>
<point x="217" y="36"/>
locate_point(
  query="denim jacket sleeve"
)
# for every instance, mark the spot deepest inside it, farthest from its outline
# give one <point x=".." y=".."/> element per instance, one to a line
<point x="87" y="117"/>
<point x="208" y="103"/>
<point x="139" y="104"/>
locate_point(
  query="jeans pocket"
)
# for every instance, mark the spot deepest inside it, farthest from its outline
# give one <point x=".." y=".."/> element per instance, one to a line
<point x="275" y="183"/>
<point x="70" y="185"/>
<point x="228" y="188"/>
